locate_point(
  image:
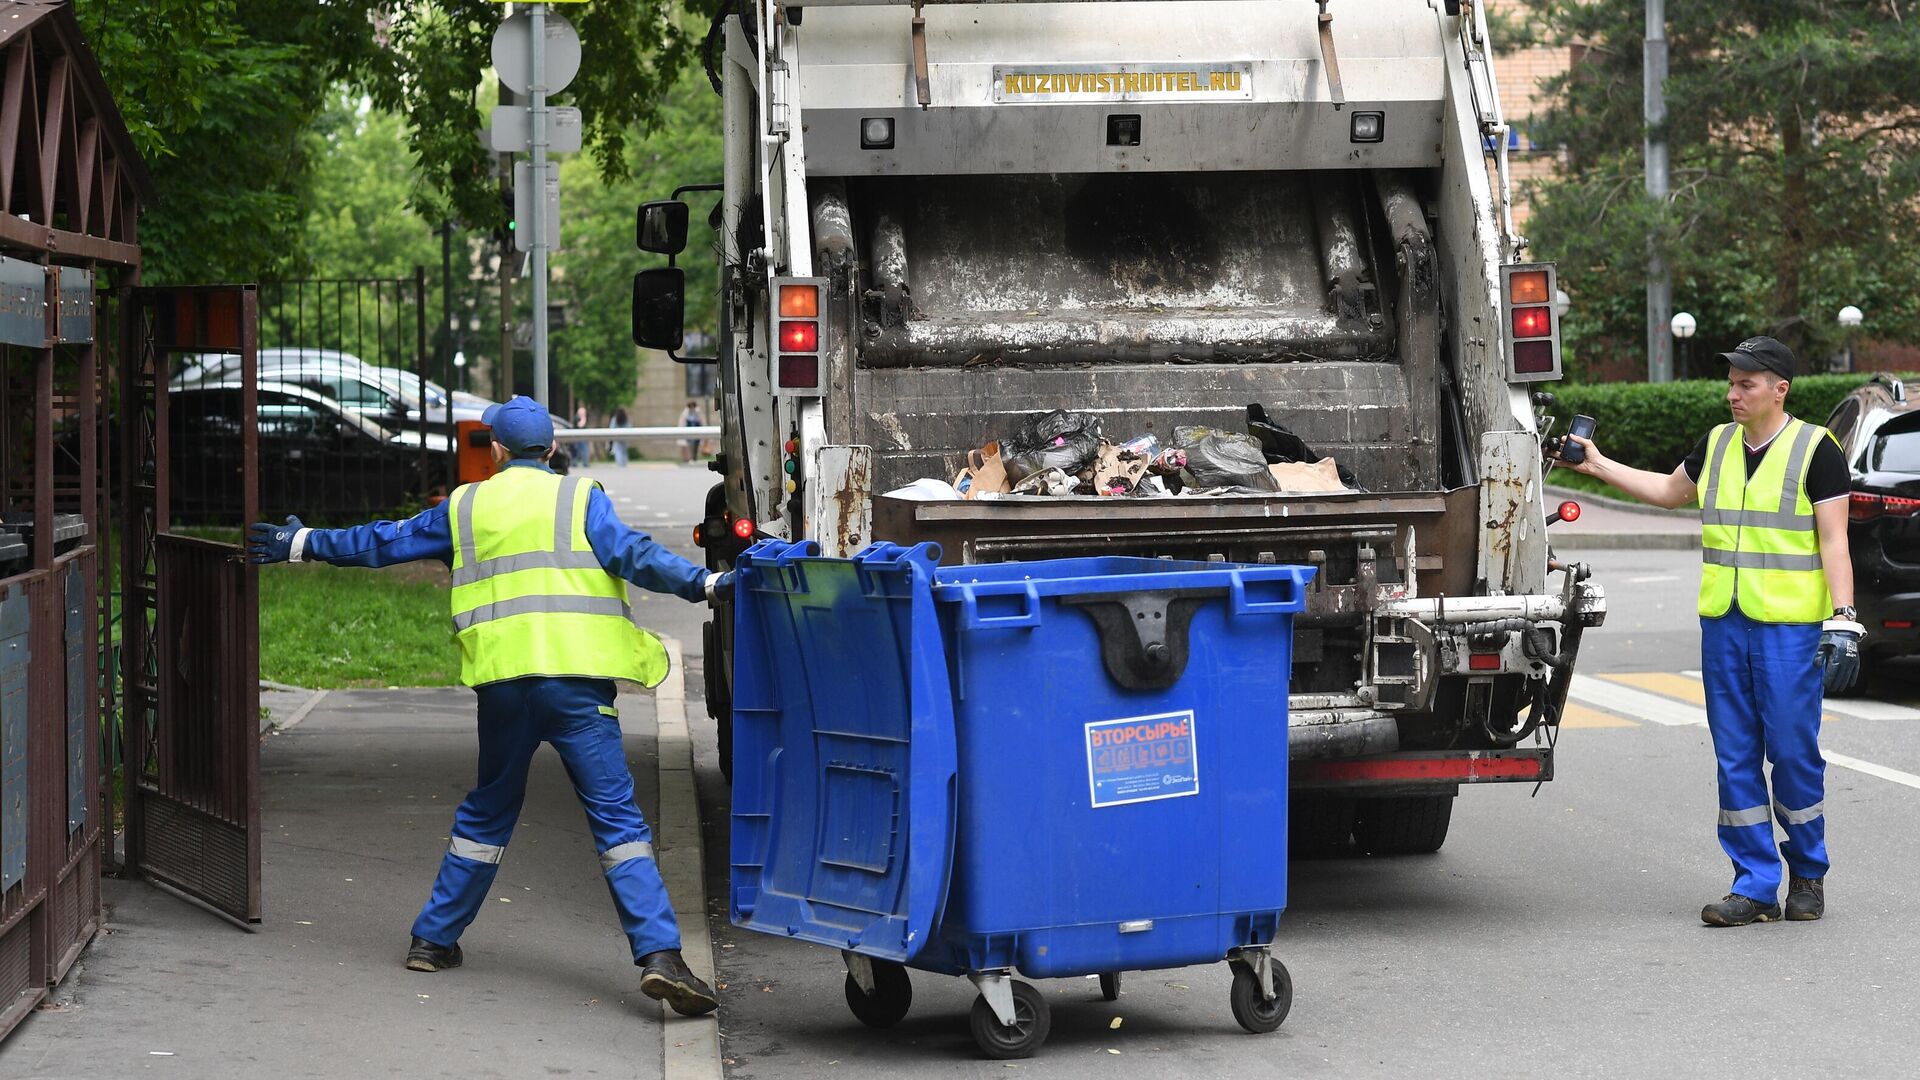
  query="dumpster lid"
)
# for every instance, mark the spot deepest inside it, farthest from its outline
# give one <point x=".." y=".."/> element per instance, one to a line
<point x="844" y="752"/>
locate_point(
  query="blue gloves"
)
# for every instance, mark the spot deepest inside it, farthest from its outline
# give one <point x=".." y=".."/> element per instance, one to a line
<point x="719" y="587"/>
<point x="1839" y="653"/>
<point x="269" y="543"/>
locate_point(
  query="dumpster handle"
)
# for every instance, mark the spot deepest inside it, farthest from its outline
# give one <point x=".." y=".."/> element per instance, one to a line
<point x="971" y="619"/>
<point x="1293" y="586"/>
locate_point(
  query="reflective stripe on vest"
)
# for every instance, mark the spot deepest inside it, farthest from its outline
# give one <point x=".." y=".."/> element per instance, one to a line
<point x="1760" y="545"/>
<point x="530" y="596"/>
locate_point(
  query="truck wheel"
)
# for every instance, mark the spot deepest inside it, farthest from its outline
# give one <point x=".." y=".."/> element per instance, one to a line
<point x="1031" y="1023"/>
<point x="1402" y="825"/>
<point x="1319" y="826"/>
<point x="1253" y="1011"/>
<point x="713" y="663"/>
<point x="891" y="998"/>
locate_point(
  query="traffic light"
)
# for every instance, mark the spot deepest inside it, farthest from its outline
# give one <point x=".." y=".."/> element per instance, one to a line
<point x="1529" y="327"/>
<point x="506" y="210"/>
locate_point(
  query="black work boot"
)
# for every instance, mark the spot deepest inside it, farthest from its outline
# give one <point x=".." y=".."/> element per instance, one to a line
<point x="1737" y="910"/>
<point x="424" y="955"/>
<point x="1806" y="898"/>
<point x="664" y="976"/>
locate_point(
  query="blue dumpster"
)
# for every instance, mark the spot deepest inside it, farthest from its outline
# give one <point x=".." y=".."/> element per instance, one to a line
<point x="1061" y="768"/>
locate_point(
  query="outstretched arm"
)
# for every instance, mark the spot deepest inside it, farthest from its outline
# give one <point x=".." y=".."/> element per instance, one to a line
<point x="634" y="556"/>
<point x="378" y="543"/>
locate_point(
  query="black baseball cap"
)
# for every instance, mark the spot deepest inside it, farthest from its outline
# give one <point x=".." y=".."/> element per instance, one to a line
<point x="1761" y="354"/>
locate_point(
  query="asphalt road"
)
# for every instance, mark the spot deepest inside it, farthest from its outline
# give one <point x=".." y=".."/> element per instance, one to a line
<point x="1555" y="934"/>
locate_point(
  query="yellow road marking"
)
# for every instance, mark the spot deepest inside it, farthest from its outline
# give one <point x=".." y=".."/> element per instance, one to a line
<point x="1666" y="684"/>
<point x="1576" y="715"/>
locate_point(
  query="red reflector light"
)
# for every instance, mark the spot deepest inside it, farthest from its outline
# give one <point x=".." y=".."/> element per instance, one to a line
<point x="791" y="446"/>
<point x="1897" y="624"/>
<point x="1896" y="506"/>
<point x="1863" y="507"/>
<point x="1569" y="511"/>
<point x="799" y="372"/>
<point x="1532" y="357"/>
<point x="1461" y="769"/>
<point x="799" y="336"/>
<point x="1483" y="661"/>
<point x="1528" y="287"/>
<point x="1532" y="322"/>
<point x="742" y="528"/>
<point x="799" y="301"/>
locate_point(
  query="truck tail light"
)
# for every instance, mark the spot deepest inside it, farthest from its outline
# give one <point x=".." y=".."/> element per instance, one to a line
<point x="799" y="335"/>
<point x="1531" y="328"/>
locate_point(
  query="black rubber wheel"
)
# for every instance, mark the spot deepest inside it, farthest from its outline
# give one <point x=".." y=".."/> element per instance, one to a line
<point x="1402" y="824"/>
<point x="1250" y="1008"/>
<point x="1320" y="826"/>
<point x="1031" y="1023"/>
<point x="891" y="998"/>
<point x="719" y="688"/>
<point x="1110" y="986"/>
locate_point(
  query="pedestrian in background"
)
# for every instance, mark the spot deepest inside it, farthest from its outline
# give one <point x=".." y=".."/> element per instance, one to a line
<point x="691" y="418"/>
<point x="582" y="449"/>
<point x="619" y="445"/>
<point x="1777" y="623"/>
<point x="540" y="571"/>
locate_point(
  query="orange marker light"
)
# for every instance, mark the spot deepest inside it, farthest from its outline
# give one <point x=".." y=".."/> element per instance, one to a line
<point x="799" y="301"/>
<point x="1527" y="287"/>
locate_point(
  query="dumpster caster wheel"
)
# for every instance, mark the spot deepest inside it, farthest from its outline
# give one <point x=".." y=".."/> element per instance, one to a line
<point x="1110" y="986"/>
<point x="891" y="998"/>
<point x="1029" y="1030"/>
<point x="1251" y="1008"/>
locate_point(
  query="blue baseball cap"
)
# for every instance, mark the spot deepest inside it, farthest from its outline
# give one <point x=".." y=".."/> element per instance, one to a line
<point x="520" y="424"/>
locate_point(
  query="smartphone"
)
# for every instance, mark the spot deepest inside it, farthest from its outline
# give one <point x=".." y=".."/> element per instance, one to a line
<point x="1572" y="453"/>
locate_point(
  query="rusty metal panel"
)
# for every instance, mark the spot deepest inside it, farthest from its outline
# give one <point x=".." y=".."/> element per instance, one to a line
<point x="16" y="657"/>
<point x="78" y="650"/>
<point x="23" y="303"/>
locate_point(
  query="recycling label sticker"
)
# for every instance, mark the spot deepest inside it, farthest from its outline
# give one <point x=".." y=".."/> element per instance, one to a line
<point x="1142" y="758"/>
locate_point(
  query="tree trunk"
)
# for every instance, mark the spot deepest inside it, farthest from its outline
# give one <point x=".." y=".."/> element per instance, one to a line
<point x="1789" y="325"/>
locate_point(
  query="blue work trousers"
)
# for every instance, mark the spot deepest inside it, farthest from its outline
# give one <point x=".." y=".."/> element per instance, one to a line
<point x="577" y="716"/>
<point x="1763" y="704"/>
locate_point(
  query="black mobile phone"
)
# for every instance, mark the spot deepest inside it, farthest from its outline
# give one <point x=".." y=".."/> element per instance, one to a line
<point x="1572" y="453"/>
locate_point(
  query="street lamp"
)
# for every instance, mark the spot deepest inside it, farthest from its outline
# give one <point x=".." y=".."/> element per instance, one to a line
<point x="460" y="362"/>
<point x="1850" y="319"/>
<point x="1683" y="326"/>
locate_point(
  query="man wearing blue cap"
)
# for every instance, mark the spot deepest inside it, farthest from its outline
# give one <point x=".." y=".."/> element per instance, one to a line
<point x="540" y="570"/>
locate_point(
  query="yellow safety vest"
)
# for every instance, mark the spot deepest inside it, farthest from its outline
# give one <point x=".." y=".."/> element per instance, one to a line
<point x="529" y="595"/>
<point x="1757" y="532"/>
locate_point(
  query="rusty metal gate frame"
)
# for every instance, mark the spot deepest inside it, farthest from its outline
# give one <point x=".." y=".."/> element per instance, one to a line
<point x="190" y="650"/>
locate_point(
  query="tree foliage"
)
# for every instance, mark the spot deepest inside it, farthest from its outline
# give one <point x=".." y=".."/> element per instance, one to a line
<point x="1794" y="133"/>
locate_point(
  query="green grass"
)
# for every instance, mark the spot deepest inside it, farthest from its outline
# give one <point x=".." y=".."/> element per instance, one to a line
<point x="329" y="628"/>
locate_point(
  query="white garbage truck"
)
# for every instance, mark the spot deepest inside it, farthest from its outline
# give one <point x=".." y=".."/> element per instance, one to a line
<point x="938" y="219"/>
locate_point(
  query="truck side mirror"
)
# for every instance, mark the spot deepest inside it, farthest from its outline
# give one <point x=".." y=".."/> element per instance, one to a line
<point x="659" y="305"/>
<point x="662" y="227"/>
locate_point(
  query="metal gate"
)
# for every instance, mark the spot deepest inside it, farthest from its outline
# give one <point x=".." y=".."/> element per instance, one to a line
<point x="191" y="652"/>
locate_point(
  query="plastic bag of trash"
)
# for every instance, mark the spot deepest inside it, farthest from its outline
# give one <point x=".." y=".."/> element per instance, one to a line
<point x="1056" y="440"/>
<point x="1046" y="482"/>
<point x="1222" y="459"/>
<point x="1282" y="446"/>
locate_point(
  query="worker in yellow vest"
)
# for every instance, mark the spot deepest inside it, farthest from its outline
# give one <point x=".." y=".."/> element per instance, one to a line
<point x="540" y="565"/>
<point x="1776" y="622"/>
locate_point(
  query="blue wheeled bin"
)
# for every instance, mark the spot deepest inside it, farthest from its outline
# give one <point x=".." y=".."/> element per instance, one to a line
<point x="1062" y="768"/>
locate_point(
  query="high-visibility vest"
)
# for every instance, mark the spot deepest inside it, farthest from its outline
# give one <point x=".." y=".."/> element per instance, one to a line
<point x="529" y="595"/>
<point x="1757" y="532"/>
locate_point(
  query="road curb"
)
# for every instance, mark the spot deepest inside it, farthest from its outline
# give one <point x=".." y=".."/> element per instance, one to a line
<point x="690" y="1046"/>
<point x="300" y="713"/>
<point x="1624" y="505"/>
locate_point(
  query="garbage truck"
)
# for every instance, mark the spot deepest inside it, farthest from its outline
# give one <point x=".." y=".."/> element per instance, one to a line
<point x="937" y="219"/>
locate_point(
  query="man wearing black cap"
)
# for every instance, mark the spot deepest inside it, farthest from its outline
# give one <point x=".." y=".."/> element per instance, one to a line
<point x="1772" y="492"/>
<point x="541" y="564"/>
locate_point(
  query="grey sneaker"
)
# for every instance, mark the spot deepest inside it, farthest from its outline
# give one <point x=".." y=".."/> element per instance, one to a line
<point x="1737" y="910"/>
<point x="1806" y="898"/>
<point x="664" y="976"/>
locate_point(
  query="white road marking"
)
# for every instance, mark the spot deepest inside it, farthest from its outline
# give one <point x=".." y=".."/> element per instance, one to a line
<point x="1651" y="580"/>
<point x="1627" y="701"/>
<point x="1863" y="709"/>
<point x="1869" y="768"/>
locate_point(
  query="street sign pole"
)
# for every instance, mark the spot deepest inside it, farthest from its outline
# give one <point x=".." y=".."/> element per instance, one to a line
<point x="537" y="122"/>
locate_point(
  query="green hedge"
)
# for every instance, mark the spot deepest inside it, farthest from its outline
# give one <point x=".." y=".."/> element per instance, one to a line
<point x="1653" y="425"/>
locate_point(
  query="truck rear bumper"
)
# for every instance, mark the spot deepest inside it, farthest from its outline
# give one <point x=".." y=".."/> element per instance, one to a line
<point x="1424" y="772"/>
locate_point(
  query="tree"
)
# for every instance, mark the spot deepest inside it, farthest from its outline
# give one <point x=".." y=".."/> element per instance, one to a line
<point x="1795" y="139"/>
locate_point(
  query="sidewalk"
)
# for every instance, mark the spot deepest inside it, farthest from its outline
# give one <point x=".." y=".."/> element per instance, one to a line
<point x="356" y="802"/>
<point x="1611" y="524"/>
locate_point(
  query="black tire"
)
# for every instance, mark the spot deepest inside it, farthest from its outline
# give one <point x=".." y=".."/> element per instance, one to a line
<point x="1110" y="986"/>
<point x="1251" y="1008"/>
<point x="1402" y="824"/>
<point x="719" y="689"/>
<point x="1032" y="1021"/>
<point x="891" y="998"/>
<point x="1319" y="826"/>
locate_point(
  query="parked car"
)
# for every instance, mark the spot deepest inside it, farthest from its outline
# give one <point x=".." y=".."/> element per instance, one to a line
<point x="388" y="395"/>
<point x="1878" y="426"/>
<point x="316" y="457"/>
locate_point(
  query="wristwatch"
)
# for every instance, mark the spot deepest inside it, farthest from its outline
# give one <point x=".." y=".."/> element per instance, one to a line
<point x="1846" y="612"/>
